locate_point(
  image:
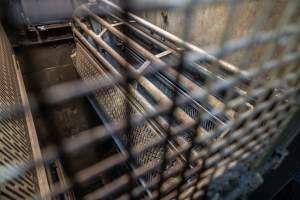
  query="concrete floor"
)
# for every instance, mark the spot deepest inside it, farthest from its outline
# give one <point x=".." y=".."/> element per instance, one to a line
<point x="46" y="65"/>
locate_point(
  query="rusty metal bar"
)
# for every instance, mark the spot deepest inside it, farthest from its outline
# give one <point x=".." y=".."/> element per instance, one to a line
<point x="147" y="84"/>
<point x="176" y="39"/>
<point x="149" y="56"/>
<point x="204" y="160"/>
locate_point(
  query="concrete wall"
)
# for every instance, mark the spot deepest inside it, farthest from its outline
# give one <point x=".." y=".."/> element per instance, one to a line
<point x="210" y="22"/>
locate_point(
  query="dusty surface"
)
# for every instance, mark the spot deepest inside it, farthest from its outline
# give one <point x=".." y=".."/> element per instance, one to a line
<point x="210" y="22"/>
<point x="50" y="64"/>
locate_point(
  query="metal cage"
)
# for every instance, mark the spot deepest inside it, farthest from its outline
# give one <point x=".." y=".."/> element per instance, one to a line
<point x="182" y="122"/>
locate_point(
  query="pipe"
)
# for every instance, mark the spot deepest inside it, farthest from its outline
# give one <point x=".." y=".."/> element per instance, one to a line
<point x="149" y="56"/>
<point x="110" y="50"/>
<point x="175" y="39"/>
<point x="155" y="41"/>
<point x="154" y="91"/>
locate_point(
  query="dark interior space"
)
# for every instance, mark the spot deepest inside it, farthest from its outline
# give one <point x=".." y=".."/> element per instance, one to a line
<point x="48" y="64"/>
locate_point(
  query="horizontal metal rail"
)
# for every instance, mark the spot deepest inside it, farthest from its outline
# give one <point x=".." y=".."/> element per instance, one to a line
<point x="195" y="162"/>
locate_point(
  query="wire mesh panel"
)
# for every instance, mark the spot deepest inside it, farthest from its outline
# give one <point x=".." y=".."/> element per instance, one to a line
<point x="186" y="124"/>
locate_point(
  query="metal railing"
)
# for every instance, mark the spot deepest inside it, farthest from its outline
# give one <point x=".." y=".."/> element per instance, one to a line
<point x="186" y="124"/>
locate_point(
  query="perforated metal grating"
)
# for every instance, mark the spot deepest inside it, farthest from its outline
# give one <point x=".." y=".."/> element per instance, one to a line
<point x="188" y="125"/>
<point x="112" y="100"/>
<point x="15" y="147"/>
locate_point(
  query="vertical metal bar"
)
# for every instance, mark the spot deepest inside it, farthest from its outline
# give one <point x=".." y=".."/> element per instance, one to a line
<point x="187" y="29"/>
<point x="36" y="151"/>
<point x="231" y="19"/>
<point x="128" y="80"/>
<point x="179" y="68"/>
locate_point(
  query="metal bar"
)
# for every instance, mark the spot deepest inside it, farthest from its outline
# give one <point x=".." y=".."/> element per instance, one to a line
<point x="112" y="69"/>
<point x="149" y="56"/>
<point x="241" y="43"/>
<point x="36" y="151"/>
<point x="197" y="66"/>
<point x="274" y="64"/>
<point x="163" y="99"/>
<point x="221" y="147"/>
<point x="175" y="39"/>
<point x="188" y="167"/>
<point x="159" y="95"/>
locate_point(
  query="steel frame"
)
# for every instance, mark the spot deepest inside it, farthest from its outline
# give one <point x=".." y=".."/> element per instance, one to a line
<point x="214" y="162"/>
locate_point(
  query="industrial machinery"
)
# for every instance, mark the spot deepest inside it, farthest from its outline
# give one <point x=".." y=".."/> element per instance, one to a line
<point x="146" y="114"/>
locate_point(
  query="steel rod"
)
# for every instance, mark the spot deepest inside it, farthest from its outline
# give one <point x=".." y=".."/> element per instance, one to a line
<point x="149" y="56"/>
<point x="176" y="39"/>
